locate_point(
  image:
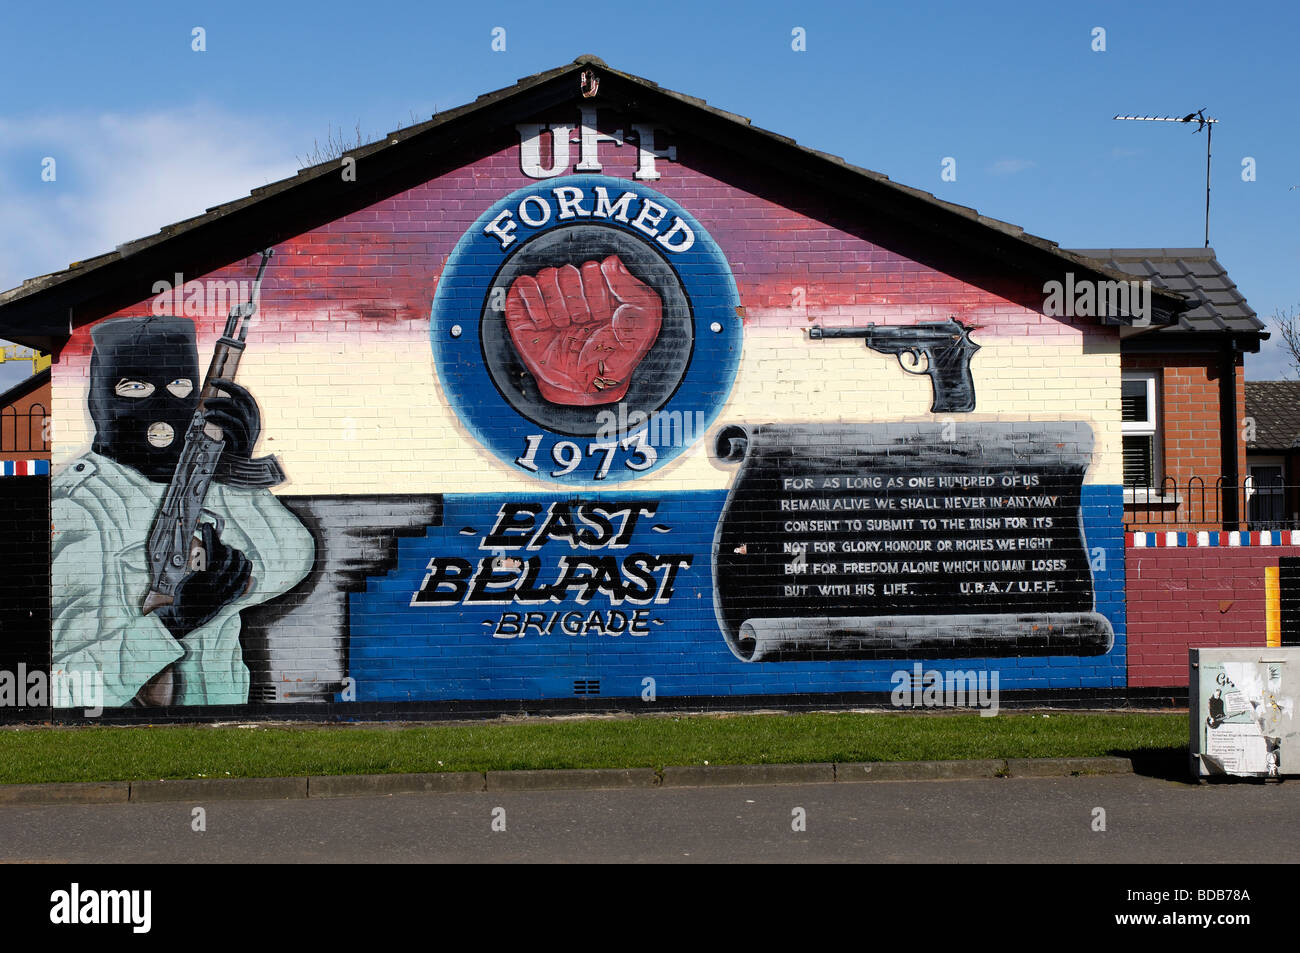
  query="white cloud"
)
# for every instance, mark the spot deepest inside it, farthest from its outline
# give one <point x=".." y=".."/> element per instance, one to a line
<point x="1011" y="166"/>
<point x="122" y="176"/>
<point x="1272" y="363"/>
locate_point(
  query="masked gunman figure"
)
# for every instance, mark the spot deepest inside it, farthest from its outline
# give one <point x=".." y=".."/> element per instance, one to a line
<point x="144" y="389"/>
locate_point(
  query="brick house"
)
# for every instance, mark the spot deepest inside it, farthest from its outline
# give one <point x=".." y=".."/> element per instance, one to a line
<point x="1185" y="394"/>
<point x="591" y="394"/>
<point x="24" y="435"/>
<point x="1273" y="453"/>
<point x="1206" y="564"/>
<point x="24" y="542"/>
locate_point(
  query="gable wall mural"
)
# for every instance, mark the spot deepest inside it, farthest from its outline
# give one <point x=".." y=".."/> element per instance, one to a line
<point x="604" y="412"/>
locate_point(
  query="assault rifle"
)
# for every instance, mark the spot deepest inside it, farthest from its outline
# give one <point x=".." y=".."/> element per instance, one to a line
<point x="174" y="549"/>
<point x="946" y="346"/>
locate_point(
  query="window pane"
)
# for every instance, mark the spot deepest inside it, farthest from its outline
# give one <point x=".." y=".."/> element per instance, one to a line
<point x="1265" y="476"/>
<point x="1134" y="402"/>
<point x="1265" y="507"/>
<point x="1139" y="456"/>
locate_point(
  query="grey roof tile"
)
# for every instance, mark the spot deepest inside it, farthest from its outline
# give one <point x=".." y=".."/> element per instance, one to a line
<point x="1195" y="272"/>
<point x="1275" y="407"/>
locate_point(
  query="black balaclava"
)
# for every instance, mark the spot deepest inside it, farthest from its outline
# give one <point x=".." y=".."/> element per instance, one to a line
<point x="139" y="353"/>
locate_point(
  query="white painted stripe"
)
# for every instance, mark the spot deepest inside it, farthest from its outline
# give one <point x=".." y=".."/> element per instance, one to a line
<point x="1204" y="538"/>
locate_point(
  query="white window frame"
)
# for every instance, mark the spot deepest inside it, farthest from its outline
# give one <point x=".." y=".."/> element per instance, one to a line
<point x="1149" y="427"/>
<point x="1146" y="428"/>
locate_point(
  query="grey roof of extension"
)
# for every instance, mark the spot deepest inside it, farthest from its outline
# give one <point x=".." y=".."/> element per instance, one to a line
<point x="1275" y="405"/>
<point x="1196" y="273"/>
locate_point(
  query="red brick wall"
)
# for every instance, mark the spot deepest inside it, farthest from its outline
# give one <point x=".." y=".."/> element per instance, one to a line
<point x="1191" y="597"/>
<point x="22" y="426"/>
<point x="1191" y="437"/>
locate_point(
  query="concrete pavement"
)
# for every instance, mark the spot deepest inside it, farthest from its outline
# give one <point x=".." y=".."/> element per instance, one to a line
<point x="1007" y="819"/>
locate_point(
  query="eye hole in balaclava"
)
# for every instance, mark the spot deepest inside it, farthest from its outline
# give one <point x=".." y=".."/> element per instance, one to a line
<point x="142" y="392"/>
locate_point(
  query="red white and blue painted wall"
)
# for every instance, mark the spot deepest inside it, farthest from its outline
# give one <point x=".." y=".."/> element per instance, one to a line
<point x="606" y="410"/>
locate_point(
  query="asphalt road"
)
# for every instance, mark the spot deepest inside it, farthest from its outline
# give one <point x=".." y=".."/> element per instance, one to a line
<point x="1029" y="820"/>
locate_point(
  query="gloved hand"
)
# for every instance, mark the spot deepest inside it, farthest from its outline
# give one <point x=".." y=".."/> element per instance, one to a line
<point x="583" y="333"/>
<point x="237" y="416"/>
<point x="203" y="593"/>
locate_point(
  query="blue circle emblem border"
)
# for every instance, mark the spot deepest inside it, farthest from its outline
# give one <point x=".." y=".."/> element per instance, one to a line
<point x="639" y="446"/>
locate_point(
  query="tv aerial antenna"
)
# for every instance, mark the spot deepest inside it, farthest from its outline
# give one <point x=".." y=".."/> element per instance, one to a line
<point x="1202" y="122"/>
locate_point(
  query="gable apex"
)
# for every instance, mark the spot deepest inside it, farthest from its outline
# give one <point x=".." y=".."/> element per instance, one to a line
<point x="42" y="311"/>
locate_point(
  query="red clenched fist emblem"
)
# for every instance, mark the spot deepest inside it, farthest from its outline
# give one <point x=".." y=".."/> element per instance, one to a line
<point x="582" y="332"/>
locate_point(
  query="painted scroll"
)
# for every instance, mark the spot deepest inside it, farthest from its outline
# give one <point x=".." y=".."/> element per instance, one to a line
<point x="906" y="540"/>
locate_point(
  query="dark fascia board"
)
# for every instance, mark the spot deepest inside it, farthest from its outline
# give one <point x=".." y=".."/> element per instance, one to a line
<point x="1193" y="342"/>
<point x="41" y="312"/>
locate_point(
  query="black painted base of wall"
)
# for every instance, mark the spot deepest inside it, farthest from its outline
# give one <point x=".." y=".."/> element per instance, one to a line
<point x="1138" y="699"/>
<point x="24" y="586"/>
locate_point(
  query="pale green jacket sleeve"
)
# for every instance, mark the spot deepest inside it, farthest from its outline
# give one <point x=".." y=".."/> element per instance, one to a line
<point x="97" y="593"/>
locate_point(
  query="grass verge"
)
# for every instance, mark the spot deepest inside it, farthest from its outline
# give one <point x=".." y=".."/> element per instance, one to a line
<point x="31" y="755"/>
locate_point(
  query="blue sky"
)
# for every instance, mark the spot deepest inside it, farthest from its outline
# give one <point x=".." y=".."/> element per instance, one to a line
<point x="145" y="131"/>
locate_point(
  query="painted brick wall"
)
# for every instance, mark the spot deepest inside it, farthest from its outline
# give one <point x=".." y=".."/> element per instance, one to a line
<point x="24" y="598"/>
<point x="1182" y="597"/>
<point x="346" y="307"/>
<point x="401" y="473"/>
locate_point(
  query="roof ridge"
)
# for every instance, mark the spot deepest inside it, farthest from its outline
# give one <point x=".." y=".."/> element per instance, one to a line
<point x="1032" y="244"/>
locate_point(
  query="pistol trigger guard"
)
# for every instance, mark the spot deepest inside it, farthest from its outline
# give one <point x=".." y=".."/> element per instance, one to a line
<point x="915" y="354"/>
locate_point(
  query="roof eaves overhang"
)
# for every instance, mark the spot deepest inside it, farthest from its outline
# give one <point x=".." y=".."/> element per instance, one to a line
<point x="41" y="312"/>
<point x="1177" y="340"/>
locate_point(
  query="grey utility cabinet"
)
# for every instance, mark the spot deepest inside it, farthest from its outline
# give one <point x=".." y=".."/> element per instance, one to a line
<point x="1243" y="719"/>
